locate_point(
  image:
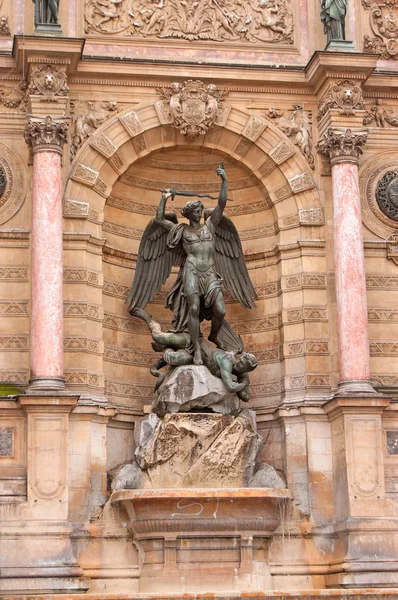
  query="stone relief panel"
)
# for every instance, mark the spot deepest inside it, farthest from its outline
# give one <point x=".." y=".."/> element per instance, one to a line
<point x="297" y="125"/>
<point x="379" y="115"/>
<point x="13" y="183"/>
<point x="86" y="118"/>
<point x="49" y="82"/>
<point x="253" y="21"/>
<point x="15" y="96"/>
<point x="383" y="28"/>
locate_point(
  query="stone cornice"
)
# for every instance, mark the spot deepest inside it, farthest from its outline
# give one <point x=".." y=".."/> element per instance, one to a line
<point x="46" y="134"/>
<point x="343" y="145"/>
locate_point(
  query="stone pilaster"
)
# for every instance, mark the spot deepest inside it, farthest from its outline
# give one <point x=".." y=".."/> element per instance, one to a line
<point x="46" y="137"/>
<point x="343" y="147"/>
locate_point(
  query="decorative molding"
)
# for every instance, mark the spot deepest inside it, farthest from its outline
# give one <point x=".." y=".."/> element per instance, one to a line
<point x="281" y="152"/>
<point x="82" y="344"/>
<point x="266" y="167"/>
<point x="132" y="124"/>
<point x="13" y="186"/>
<point x="17" y="377"/>
<point x="83" y="309"/>
<point x="383" y="348"/>
<point x="311" y="216"/>
<point x="205" y="187"/>
<point x="74" y="377"/>
<point x="261" y="390"/>
<point x="82" y="276"/>
<point x="392" y="247"/>
<point x="103" y="145"/>
<point x="268" y="355"/>
<point x="20" y="274"/>
<point x="386" y="282"/>
<point x="14" y="308"/>
<point x="13" y="342"/>
<point x="253" y="128"/>
<point x="46" y="135"/>
<point x="85" y="175"/>
<point x="199" y="21"/>
<point x="128" y="389"/>
<point x="129" y="356"/>
<point x="76" y="209"/>
<point x="343" y="145"/>
<point x="301" y="183"/>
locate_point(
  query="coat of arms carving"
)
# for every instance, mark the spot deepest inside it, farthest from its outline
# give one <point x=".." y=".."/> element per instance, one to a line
<point x="384" y="26"/>
<point x="192" y="108"/>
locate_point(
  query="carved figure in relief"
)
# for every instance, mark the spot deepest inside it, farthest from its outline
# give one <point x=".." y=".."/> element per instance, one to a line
<point x="46" y="11"/>
<point x="270" y="18"/>
<point x="205" y="253"/>
<point x="380" y="115"/>
<point x="333" y="13"/>
<point x="219" y="20"/>
<point x="298" y="127"/>
<point x="85" y="123"/>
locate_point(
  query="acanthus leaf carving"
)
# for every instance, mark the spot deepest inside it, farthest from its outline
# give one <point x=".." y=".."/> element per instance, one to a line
<point x="297" y="125"/>
<point x="254" y="22"/>
<point x="47" y="133"/>
<point x="192" y="107"/>
<point x="341" y="144"/>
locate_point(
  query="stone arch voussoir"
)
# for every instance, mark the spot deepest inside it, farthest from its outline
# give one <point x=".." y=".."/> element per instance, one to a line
<point x="135" y="133"/>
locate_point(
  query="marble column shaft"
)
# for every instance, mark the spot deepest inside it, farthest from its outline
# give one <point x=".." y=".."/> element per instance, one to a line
<point x="343" y="147"/>
<point x="46" y="138"/>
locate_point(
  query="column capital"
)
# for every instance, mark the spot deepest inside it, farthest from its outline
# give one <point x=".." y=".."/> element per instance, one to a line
<point x="343" y="145"/>
<point x="46" y="134"/>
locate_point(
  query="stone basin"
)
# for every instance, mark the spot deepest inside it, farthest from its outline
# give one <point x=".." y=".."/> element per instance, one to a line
<point x="203" y="540"/>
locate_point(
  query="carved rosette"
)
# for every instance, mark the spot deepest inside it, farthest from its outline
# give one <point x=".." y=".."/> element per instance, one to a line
<point x="46" y="135"/>
<point x="343" y="145"/>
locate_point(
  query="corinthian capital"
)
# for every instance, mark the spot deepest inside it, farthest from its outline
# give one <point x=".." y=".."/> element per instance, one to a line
<point x="343" y="145"/>
<point x="46" y="134"/>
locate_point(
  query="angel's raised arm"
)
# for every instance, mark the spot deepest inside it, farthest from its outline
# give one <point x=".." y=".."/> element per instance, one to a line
<point x="217" y="213"/>
<point x="161" y="211"/>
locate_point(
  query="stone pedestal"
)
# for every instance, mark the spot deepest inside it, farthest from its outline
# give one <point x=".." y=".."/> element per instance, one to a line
<point x="366" y="523"/>
<point x="38" y="557"/>
<point x="203" y="540"/>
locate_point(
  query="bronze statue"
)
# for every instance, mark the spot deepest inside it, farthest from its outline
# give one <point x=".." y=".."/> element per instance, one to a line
<point x="207" y="254"/>
<point x="46" y="11"/>
<point x="333" y="13"/>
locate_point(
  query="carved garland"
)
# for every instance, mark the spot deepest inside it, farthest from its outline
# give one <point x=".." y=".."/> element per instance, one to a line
<point x="383" y="19"/>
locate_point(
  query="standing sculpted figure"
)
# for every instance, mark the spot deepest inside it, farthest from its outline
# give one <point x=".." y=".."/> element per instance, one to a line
<point x="333" y="14"/>
<point x="46" y="11"/>
<point x="206" y="253"/>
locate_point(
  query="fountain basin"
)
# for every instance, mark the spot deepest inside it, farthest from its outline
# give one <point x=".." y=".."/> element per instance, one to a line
<point x="202" y="540"/>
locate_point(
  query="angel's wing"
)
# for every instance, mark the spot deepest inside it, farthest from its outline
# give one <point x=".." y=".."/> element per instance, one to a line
<point x="154" y="263"/>
<point x="230" y="262"/>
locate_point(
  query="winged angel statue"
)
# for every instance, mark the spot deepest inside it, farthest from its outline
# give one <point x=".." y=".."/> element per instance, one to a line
<point x="208" y="254"/>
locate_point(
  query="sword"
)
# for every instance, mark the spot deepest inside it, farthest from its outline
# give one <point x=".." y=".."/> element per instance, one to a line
<point x="173" y="191"/>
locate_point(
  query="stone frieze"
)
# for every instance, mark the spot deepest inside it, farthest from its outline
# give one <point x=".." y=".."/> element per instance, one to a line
<point x="253" y="21"/>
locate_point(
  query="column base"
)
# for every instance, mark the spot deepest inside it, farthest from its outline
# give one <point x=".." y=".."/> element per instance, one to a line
<point x="46" y="384"/>
<point x="362" y="387"/>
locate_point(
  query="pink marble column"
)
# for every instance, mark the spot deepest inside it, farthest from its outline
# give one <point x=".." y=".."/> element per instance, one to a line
<point x="46" y="138"/>
<point x="343" y="147"/>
